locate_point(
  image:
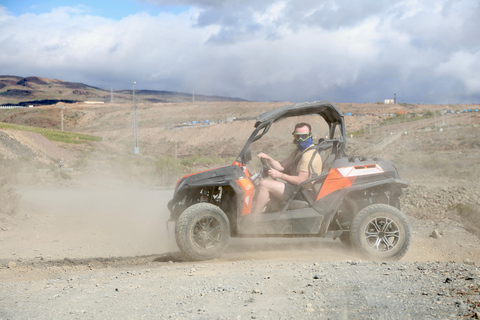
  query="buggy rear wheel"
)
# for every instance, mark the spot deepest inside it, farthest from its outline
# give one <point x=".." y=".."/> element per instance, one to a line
<point x="380" y="231"/>
<point x="202" y="232"/>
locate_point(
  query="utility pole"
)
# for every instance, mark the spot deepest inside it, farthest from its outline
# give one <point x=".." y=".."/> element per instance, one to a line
<point x="135" y="137"/>
<point x="111" y="95"/>
<point x="61" y="116"/>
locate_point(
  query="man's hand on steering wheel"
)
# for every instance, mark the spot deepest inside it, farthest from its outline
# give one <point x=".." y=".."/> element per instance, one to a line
<point x="267" y="170"/>
<point x="265" y="167"/>
<point x="274" y="174"/>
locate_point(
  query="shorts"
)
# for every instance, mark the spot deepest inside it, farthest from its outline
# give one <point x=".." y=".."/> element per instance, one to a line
<point x="289" y="188"/>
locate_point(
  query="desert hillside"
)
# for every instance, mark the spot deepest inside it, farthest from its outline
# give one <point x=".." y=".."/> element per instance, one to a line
<point x="83" y="218"/>
<point x="436" y="152"/>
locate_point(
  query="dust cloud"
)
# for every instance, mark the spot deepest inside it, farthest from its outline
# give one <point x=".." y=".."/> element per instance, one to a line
<point x="87" y="222"/>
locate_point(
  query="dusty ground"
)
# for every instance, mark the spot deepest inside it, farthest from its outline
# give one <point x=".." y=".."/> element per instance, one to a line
<point x="94" y="253"/>
<point x="95" y="245"/>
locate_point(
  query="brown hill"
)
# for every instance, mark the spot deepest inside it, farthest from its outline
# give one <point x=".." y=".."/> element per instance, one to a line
<point x="42" y="91"/>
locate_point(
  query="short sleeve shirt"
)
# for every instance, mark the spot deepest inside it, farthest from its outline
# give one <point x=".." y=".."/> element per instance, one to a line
<point x="301" y="162"/>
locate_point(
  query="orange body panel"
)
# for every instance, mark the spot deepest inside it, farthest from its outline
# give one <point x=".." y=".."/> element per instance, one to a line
<point x="248" y="187"/>
<point x="339" y="178"/>
<point x="334" y="181"/>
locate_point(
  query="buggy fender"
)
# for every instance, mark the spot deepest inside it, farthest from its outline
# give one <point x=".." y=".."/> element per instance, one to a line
<point x="244" y="189"/>
<point x="222" y="176"/>
<point x="328" y="206"/>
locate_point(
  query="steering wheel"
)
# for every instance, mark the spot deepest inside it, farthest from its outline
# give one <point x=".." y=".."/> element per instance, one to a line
<point x="265" y="167"/>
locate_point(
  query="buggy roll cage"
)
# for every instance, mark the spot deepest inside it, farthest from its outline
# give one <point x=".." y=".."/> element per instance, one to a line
<point x="332" y="116"/>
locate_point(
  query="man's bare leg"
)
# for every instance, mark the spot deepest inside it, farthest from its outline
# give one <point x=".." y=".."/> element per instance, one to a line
<point x="267" y="187"/>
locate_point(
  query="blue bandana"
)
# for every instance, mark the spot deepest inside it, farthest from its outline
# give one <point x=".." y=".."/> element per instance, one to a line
<point x="302" y="145"/>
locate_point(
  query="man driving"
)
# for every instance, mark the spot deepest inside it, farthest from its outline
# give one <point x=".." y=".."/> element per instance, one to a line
<point x="293" y="170"/>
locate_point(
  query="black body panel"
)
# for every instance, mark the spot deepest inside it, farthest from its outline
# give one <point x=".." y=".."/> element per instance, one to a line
<point x="305" y="221"/>
<point x="222" y="176"/>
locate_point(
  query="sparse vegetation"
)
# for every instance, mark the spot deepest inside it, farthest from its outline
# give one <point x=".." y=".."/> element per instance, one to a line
<point x="169" y="169"/>
<point x="356" y="133"/>
<point x="469" y="216"/>
<point x="54" y="135"/>
<point x="9" y="199"/>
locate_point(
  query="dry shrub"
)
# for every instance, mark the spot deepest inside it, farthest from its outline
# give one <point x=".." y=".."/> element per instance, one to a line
<point x="9" y="200"/>
<point x="169" y="170"/>
<point x="468" y="216"/>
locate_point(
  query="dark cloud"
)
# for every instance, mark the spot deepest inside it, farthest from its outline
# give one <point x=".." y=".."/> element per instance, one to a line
<point x="331" y="15"/>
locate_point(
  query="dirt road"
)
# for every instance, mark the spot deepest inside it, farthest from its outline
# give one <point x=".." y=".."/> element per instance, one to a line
<point x="96" y="253"/>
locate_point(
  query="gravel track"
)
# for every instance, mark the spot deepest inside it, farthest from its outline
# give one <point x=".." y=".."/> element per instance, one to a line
<point x="77" y="253"/>
<point x="281" y="288"/>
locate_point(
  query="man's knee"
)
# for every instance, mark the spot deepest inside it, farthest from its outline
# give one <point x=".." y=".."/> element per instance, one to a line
<point x="262" y="185"/>
<point x="276" y="188"/>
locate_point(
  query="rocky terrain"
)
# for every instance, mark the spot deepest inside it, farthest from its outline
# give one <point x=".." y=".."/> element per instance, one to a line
<point x="90" y="241"/>
<point x="92" y="253"/>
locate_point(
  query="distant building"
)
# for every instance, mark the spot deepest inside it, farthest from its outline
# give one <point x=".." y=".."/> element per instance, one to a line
<point x="94" y="102"/>
<point x="389" y="101"/>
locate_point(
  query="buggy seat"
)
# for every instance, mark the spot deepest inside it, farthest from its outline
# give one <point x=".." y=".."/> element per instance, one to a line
<point x="303" y="198"/>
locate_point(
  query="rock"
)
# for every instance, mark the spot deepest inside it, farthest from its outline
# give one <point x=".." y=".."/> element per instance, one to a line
<point x="435" y="234"/>
<point x="12" y="265"/>
<point x="471" y="263"/>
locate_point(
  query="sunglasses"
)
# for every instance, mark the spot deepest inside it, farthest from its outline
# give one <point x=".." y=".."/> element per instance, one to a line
<point x="301" y="136"/>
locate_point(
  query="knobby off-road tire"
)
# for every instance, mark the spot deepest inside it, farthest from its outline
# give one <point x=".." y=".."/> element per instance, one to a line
<point x="380" y="231"/>
<point x="202" y="232"/>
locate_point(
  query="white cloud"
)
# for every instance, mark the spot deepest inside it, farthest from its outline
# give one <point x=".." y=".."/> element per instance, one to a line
<point x="270" y="50"/>
<point x="465" y="67"/>
<point x="271" y="14"/>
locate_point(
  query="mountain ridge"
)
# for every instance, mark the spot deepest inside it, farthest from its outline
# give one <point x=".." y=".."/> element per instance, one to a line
<point x="16" y="90"/>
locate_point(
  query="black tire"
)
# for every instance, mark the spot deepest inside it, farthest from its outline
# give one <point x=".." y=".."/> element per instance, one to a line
<point x="380" y="231"/>
<point x="202" y="232"/>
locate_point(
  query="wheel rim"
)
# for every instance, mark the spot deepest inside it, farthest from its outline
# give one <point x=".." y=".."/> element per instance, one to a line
<point x="382" y="234"/>
<point x="207" y="233"/>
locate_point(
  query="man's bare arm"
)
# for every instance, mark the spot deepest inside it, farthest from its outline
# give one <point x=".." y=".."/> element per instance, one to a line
<point x="295" y="180"/>
<point x="274" y="164"/>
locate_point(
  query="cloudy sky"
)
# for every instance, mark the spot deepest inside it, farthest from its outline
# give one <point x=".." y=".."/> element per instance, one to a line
<point x="425" y="51"/>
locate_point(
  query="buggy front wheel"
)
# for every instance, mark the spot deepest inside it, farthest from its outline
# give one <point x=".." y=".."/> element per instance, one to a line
<point x="202" y="232"/>
<point x="380" y="231"/>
